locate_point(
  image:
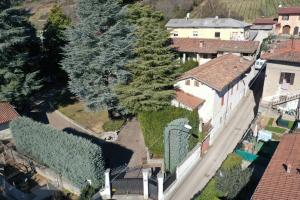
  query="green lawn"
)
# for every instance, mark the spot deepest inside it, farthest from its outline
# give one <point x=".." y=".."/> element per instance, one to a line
<point x="154" y="123"/>
<point x="95" y="121"/>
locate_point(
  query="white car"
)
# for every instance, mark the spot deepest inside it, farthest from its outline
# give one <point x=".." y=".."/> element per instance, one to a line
<point x="259" y="64"/>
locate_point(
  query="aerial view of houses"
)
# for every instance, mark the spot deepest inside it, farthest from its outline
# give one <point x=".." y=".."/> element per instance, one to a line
<point x="150" y="99"/>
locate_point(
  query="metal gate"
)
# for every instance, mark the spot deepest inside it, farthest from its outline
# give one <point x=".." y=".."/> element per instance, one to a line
<point x="127" y="186"/>
<point x="153" y="188"/>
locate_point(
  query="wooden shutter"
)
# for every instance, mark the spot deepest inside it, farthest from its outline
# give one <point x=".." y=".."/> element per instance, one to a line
<point x="281" y="77"/>
<point x="292" y="78"/>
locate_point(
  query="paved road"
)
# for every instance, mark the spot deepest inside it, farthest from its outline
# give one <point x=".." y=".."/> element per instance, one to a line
<point x="224" y="144"/>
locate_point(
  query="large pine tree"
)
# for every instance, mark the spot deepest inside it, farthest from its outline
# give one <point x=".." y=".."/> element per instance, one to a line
<point x="18" y="54"/>
<point x="153" y="69"/>
<point x="100" y="44"/>
<point x="53" y="42"/>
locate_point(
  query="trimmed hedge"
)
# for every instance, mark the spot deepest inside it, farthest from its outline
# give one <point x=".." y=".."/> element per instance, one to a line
<point x="75" y="158"/>
<point x="153" y="124"/>
<point x="232" y="161"/>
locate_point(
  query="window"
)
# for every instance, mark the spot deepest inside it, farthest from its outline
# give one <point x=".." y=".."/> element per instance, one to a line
<point x="175" y="34"/>
<point x="196" y="83"/>
<point x="222" y="101"/>
<point x="205" y="56"/>
<point x="286" y="77"/>
<point x="217" y="34"/>
<point x="187" y="82"/>
<point x="285" y="18"/>
<point x="195" y="33"/>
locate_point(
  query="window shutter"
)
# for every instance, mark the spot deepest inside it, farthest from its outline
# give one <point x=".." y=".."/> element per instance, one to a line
<point x="292" y="78"/>
<point x="281" y="77"/>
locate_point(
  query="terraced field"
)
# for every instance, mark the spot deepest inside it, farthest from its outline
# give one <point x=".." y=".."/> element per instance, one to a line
<point x="247" y="9"/>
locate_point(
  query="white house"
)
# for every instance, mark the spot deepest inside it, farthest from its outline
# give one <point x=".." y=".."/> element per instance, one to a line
<point x="7" y="114"/>
<point x="215" y="89"/>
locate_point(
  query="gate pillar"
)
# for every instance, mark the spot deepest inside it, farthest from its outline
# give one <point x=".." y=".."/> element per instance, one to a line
<point x="160" y="180"/>
<point x="145" y="183"/>
<point x="107" y="189"/>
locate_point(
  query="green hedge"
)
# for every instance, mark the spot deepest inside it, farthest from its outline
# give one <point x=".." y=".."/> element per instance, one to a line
<point x="75" y="158"/>
<point x="209" y="192"/>
<point x="188" y="65"/>
<point x="153" y="124"/>
<point x="233" y="160"/>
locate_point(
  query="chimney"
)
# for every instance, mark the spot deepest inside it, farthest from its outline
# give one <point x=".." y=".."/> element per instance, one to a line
<point x="201" y="44"/>
<point x="288" y="168"/>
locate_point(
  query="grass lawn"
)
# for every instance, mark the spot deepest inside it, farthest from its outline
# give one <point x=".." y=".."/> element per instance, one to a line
<point x="95" y="121"/>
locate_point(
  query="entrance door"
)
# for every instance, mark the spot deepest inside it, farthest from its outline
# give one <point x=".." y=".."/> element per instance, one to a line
<point x="286" y="29"/>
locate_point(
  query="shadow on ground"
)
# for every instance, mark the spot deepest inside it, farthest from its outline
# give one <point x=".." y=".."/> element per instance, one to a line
<point x="115" y="155"/>
<point x="258" y="166"/>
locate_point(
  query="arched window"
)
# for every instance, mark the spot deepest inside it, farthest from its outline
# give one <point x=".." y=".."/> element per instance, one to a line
<point x="286" y="29"/>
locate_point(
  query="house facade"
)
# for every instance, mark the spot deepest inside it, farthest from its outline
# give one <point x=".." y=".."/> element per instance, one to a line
<point x="288" y="21"/>
<point x="203" y="50"/>
<point x="282" y="82"/>
<point x="263" y="27"/>
<point x="215" y="88"/>
<point x="209" y="28"/>
<point x="7" y="114"/>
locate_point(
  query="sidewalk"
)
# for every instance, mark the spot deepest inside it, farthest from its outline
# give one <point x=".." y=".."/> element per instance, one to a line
<point x="223" y="145"/>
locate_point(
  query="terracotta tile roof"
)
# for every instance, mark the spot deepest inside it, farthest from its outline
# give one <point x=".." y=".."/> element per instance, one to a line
<point x="289" y="10"/>
<point x="277" y="183"/>
<point x="284" y="51"/>
<point x="265" y="21"/>
<point x="219" y="72"/>
<point x="198" y="45"/>
<point x="188" y="100"/>
<point x="7" y="113"/>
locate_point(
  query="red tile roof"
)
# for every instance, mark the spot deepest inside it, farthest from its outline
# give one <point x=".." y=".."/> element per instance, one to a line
<point x="277" y="183"/>
<point x="198" y="45"/>
<point x="7" y="113"/>
<point x="265" y="21"/>
<point x="219" y="72"/>
<point x="289" y="10"/>
<point x="284" y="51"/>
<point x="188" y="100"/>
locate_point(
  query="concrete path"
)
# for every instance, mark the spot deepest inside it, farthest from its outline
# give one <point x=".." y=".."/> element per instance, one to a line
<point x="224" y="144"/>
<point x="131" y="137"/>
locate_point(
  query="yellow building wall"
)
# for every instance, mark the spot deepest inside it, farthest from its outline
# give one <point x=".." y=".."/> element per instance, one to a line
<point x="294" y="20"/>
<point x="208" y="33"/>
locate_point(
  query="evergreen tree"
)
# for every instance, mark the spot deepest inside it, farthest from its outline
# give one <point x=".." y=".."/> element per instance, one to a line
<point x="153" y="70"/>
<point x="100" y="45"/>
<point x="53" y="42"/>
<point x="19" y="49"/>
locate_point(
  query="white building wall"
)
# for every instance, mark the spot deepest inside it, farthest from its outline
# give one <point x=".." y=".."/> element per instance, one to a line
<point x="204" y="92"/>
<point x="5" y="132"/>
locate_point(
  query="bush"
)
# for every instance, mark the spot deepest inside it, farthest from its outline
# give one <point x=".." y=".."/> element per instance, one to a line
<point x="87" y="193"/>
<point x="153" y="124"/>
<point x="75" y="158"/>
<point x="113" y="125"/>
<point x="209" y="192"/>
<point x="188" y="65"/>
<point x="232" y="161"/>
<point x="270" y="122"/>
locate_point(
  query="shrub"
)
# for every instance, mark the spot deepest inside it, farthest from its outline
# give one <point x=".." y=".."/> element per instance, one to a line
<point x="153" y="124"/>
<point x="75" y="158"/>
<point x="209" y="192"/>
<point x="233" y="160"/>
<point x="188" y="65"/>
<point x="270" y="122"/>
<point x="113" y="125"/>
<point x="87" y="193"/>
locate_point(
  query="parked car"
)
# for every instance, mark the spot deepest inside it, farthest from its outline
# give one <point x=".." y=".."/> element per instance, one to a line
<point x="259" y="64"/>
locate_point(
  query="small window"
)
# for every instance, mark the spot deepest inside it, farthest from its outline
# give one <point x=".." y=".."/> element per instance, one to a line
<point x="205" y="56"/>
<point x="217" y="34"/>
<point x="286" y="77"/>
<point x="285" y="18"/>
<point x="222" y="101"/>
<point x="187" y="82"/>
<point x="195" y="33"/>
<point x="175" y="34"/>
<point x="196" y="83"/>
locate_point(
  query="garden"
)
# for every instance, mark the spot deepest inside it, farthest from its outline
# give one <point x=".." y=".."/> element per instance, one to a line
<point x="153" y="124"/>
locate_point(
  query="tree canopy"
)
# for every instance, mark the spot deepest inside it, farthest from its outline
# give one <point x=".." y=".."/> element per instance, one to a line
<point x="100" y="45"/>
<point x="19" y="54"/>
<point x="153" y="70"/>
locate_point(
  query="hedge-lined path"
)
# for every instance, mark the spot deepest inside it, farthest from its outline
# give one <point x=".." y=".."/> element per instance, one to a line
<point x="131" y="137"/>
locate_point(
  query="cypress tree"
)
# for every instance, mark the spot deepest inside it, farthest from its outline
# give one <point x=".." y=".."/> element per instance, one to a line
<point x="99" y="48"/>
<point x="53" y="42"/>
<point x="19" y="49"/>
<point x="153" y="70"/>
